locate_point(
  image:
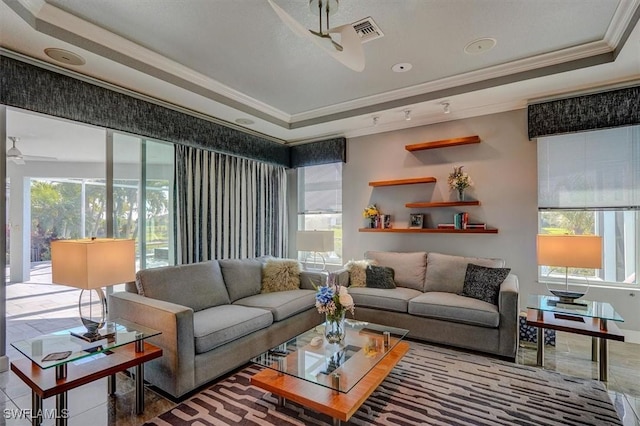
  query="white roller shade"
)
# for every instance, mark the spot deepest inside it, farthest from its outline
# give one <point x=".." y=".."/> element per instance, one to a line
<point x="590" y="170"/>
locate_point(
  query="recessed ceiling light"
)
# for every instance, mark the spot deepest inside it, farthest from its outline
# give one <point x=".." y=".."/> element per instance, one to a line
<point x="480" y="46"/>
<point x="244" y="121"/>
<point x="64" y="56"/>
<point x="402" y="67"/>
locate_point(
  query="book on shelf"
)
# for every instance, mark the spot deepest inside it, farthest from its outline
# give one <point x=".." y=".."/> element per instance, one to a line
<point x="476" y="226"/>
<point x="460" y="220"/>
<point x="446" y="226"/>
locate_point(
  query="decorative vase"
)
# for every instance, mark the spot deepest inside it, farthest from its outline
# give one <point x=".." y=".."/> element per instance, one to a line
<point x="369" y="222"/>
<point x="334" y="330"/>
<point x="460" y="194"/>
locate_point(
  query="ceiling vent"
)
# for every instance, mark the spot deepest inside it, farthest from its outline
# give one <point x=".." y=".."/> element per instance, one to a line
<point x="367" y="29"/>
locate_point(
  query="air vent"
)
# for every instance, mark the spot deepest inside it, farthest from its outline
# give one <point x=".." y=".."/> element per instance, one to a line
<point x="367" y="29"/>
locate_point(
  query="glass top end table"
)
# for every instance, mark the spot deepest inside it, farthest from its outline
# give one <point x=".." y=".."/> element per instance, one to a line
<point x="65" y="346"/>
<point x="589" y="318"/>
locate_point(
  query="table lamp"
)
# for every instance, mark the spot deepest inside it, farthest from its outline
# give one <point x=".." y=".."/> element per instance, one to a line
<point x="90" y="264"/>
<point x="569" y="251"/>
<point x="316" y="242"/>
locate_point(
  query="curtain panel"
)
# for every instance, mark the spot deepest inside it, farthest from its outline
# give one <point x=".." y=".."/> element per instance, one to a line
<point x="228" y="207"/>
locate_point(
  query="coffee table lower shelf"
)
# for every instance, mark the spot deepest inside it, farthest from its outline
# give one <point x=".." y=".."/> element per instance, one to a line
<point x="340" y="406"/>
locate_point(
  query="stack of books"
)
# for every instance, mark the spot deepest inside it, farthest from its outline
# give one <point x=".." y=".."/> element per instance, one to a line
<point x="461" y="221"/>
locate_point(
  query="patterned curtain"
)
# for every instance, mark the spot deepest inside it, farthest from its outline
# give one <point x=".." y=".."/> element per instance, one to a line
<point x="228" y="207"/>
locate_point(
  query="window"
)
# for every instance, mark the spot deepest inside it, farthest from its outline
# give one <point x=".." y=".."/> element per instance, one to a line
<point x="589" y="184"/>
<point x="320" y="204"/>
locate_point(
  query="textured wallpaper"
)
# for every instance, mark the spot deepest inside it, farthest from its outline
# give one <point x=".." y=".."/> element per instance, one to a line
<point x="597" y="111"/>
<point x="36" y="89"/>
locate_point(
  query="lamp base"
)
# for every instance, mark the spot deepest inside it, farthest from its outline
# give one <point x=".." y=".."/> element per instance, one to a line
<point x="567" y="296"/>
<point x="93" y="312"/>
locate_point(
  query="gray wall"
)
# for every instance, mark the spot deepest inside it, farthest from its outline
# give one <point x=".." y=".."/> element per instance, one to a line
<point x="504" y="170"/>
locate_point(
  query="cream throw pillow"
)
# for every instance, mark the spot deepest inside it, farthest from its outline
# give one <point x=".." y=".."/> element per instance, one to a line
<point x="358" y="272"/>
<point x="280" y="275"/>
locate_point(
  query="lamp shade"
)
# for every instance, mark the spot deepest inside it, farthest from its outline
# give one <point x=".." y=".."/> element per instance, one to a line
<point x="572" y="251"/>
<point x="318" y="241"/>
<point x="93" y="263"/>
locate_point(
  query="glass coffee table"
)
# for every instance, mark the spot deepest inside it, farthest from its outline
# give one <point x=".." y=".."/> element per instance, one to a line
<point x="329" y="378"/>
<point x="63" y="360"/>
<point x="590" y="318"/>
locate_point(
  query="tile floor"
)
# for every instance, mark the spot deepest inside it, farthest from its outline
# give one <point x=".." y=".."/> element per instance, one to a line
<point x="37" y="307"/>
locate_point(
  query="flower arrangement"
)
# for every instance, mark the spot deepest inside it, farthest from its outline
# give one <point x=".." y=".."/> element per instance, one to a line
<point x="371" y="211"/>
<point x="333" y="299"/>
<point x="459" y="180"/>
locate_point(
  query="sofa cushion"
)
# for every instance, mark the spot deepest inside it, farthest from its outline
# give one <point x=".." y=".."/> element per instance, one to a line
<point x="446" y="273"/>
<point x="409" y="267"/>
<point x="280" y="275"/>
<point x="243" y="277"/>
<point x="483" y="283"/>
<point x="222" y="324"/>
<point x="380" y="277"/>
<point x="396" y="299"/>
<point x="196" y="285"/>
<point x="357" y="272"/>
<point x="282" y="304"/>
<point x="455" y="308"/>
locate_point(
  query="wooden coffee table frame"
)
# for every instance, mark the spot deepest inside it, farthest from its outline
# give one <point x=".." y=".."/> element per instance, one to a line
<point x="340" y="406"/>
<point x="599" y="329"/>
<point x="45" y="383"/>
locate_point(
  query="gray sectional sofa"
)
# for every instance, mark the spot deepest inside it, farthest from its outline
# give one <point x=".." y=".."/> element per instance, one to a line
<point x="427" y="302"/>
<point x="213" y="318"/>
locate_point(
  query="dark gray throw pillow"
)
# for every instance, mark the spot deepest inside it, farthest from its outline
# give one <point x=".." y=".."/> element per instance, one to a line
<point x="380" y="277"/>
<point x="483" y="283"/>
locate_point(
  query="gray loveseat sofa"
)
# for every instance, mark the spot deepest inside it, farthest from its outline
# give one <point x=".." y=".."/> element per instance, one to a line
<point x="427" y="302"/>
<point x="213" y="318"/>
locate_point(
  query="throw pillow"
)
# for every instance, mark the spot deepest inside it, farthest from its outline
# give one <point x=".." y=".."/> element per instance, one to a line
<point x="380" y="277"/>
<point x="357" y="274"/>
<point x="483" y="283"/>
<point x="280" y="275"/>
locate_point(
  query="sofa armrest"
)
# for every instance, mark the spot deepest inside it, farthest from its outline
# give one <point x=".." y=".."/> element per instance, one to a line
<point x="177" y="340"/>
<point x="508" y="305"/>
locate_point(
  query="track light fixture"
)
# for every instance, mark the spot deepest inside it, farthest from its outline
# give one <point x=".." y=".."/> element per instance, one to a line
<point x="407" y="114"/>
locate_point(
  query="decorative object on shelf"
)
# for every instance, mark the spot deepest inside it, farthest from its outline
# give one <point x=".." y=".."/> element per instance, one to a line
<point x="91" y="264"/>
<point x="334" y="301"/>
<point x="569" y="251"/>
<point x="371" y="214"/>
<point x="416" y="221"/>
<point x="316" y="242"/>
<point x="385" y="221"/>
<point x="459" y="181"/>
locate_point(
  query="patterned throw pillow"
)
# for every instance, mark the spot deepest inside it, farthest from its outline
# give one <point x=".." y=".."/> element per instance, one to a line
<point x="483" y="283"/>
<point x="380" y="277"/>
<point x="357" y="274"/>
<point x="280" y="275"/>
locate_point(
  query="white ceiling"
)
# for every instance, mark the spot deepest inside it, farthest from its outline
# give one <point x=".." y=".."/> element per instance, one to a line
<point x="233" y="59"/>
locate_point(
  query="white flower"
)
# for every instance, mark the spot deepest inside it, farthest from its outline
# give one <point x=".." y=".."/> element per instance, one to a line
<point x="346" y="300"/>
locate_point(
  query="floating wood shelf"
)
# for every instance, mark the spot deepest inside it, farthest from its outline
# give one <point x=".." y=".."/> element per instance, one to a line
<point x="442" y="204"/>
<point x="443" y="143"/>
<point x="431" y="231"/>
<point x="403" y="181"/>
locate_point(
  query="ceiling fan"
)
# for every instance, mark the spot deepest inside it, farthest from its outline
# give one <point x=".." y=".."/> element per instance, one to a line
<point x="15" y="155"/>
<point x="344" y="44"/>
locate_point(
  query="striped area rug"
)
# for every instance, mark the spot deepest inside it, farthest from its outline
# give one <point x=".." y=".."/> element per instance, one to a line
<point x="430" y="386"/>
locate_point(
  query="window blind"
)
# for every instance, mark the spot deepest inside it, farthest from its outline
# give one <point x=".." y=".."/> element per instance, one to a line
<point x="590" y="170"/>
<point x="320" y="189"/>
